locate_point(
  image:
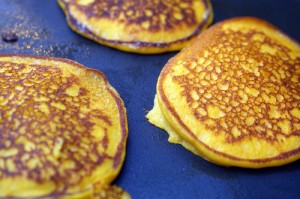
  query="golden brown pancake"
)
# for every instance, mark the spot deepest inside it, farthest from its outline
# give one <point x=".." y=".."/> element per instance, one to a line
<point x="233" y="96"/>
<point x="111" y="192"/>
<point x="63" y="129"/>
<point x="139" y="26"/>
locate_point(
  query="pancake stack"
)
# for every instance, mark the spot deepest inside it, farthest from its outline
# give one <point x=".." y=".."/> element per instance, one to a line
<point x="139" y="26"/>
<point x="233" y="96"/>
<point x="63" y="130"/>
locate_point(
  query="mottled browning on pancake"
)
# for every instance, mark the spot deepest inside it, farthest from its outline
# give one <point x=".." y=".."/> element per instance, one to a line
<point x="176" y="23"/>
<point x="150" y="15"/>
<point x="111" y="192"/>
<point x="242" y="82"/>
<point x="55" y="127"/>
<point x="52" y="129"/>
<point x="244" y="91"/>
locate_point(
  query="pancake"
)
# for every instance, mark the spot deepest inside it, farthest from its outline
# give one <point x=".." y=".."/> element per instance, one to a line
<point x="63" y="129"/>
<point x="232" y="97"/>
<point x="139" y="26"/>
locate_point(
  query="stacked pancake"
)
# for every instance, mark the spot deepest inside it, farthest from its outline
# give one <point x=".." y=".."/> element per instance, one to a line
<point x="63" y="130"/>
<point x="233" y="96"/>
<point x="139" y="26"/>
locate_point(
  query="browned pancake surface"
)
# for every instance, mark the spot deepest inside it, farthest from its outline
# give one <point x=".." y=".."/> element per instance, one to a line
<point x="139" y="26"/>
<point x="52" y="129"/>
<point x="242" y="83"/>
<point x="151" y="15"/>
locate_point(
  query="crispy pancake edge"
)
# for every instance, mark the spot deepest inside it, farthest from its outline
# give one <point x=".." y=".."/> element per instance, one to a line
<point x="215" y="156"/>
<point x="138" y="46"/>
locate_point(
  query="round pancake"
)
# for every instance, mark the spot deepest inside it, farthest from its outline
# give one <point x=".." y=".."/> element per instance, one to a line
<point x="139" y="26"/>
<point x="63" y="129"/>
<point x="233" y="96"/>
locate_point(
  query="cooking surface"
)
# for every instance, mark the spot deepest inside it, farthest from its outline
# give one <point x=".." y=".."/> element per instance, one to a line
<point x="153" y="168"/>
